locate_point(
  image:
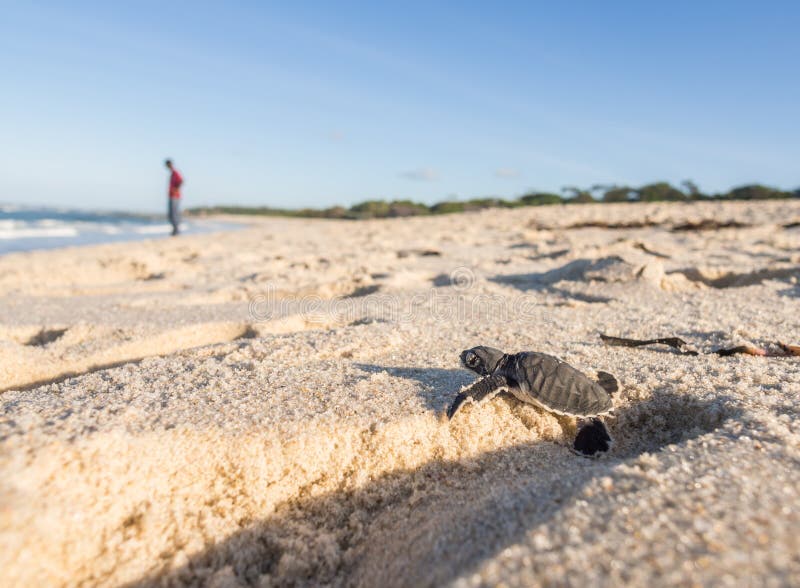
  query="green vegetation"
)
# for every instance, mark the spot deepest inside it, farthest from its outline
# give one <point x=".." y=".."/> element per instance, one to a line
<point x="655" y="192"/>
<point x="540" y="199"/>
<point x="618" y="194"/>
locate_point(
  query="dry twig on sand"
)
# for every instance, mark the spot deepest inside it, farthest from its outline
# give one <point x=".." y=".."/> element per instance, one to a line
<point x="783" y="350"/>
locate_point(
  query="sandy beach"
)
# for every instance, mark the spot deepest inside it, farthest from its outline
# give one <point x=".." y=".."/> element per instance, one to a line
<point x="265" y="407"/>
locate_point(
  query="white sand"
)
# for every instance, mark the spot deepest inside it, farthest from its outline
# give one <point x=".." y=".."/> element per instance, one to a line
<point x="309" y="447"/>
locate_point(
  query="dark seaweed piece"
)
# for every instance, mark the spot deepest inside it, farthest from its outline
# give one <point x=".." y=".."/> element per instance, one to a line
<point x="746" y="349"/>
<point x="646" y="249"/>
<point x="683" y="347"/>
<point x="674" y="342"/>
<point x="789" y="349"/>
<point x="709" y="225"/>
<point x="604" y="225"/>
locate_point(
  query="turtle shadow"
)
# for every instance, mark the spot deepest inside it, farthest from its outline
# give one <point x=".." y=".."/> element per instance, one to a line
<point x="429" y="525"/>
<point x="439" y="385"/>
<point x="666" y="419"/>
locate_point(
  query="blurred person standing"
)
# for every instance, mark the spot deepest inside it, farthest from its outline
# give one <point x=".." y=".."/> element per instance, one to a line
<point x="175" y="183"/>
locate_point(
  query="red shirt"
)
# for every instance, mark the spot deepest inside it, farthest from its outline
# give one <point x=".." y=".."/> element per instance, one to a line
<point x="175" y="181"/>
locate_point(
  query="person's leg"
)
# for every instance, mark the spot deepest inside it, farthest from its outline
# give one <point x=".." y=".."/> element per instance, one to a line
<point x="177" y="215"/>
<point x="170" y="213"/>
<point x="174" y="214"/>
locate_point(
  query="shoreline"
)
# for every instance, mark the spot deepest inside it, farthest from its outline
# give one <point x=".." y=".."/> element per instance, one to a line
<point x="86" y="235"/>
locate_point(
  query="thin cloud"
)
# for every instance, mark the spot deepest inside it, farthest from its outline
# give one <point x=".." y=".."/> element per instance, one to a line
<point x="506" y="172"/>
<point x="336" y="136"/>
<point x="424" y="174"/>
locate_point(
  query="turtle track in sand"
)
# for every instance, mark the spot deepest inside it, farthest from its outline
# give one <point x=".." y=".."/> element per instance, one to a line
<point x="241" y="489"/>
<point x="404" y="524"/>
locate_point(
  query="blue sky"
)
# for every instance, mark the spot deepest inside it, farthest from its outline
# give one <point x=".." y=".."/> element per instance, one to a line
<point x="315" y="104"/>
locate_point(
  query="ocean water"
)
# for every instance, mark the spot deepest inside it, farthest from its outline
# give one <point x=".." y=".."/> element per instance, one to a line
<point x="25" y="228"/>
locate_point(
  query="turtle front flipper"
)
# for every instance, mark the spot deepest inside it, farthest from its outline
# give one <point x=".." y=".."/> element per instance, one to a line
<point x="592" y="439"/>
<point x="480" y="390"/>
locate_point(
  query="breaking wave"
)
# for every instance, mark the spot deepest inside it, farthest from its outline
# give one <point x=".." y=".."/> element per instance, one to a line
<point x="27" y="228"/>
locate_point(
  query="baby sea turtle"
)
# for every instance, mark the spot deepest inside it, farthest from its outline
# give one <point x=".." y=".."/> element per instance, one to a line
<point x="548" y="382"/>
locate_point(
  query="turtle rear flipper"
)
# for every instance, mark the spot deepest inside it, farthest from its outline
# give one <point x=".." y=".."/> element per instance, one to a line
<point x="592" y="439"/>
<point x="607" y="382"/>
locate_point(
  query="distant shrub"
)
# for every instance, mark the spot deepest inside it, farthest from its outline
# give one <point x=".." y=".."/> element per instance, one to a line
<point x="481" y="203"/>
<point x="371" y="209"/>
<point x="407" y="208"/>
<point x="575" y="195"/>
<point x="541" y="198"/>
<point x="447" y="207"/>
<point x="755" y="192"/>
<point x="619" y="194"/>
<point x="660" y="191"/>
<point x="335" y="212"/>
<point x="582" y="197"/>
<point x="692" y="191"/>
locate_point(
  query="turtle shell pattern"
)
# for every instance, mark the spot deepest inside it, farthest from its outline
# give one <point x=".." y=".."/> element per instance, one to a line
<point x="557" y="386"/>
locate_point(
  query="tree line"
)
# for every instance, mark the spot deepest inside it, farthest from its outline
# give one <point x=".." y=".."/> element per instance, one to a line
<point x="655" y="192"/>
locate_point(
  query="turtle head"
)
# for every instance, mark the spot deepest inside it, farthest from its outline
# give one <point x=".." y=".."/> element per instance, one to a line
<point x="481" y="360"/>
